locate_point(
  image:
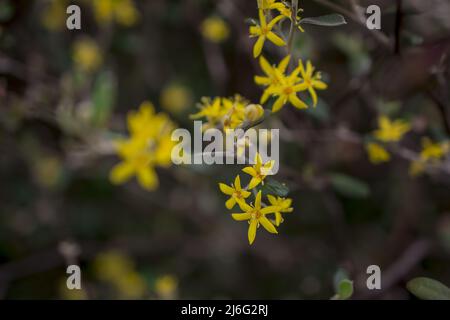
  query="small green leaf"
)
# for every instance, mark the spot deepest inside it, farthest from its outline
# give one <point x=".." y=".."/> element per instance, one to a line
<point x="329" y="20"/>
<point x="428" y="289"/>
<point x="103" y="99"/>
<point x="275" y="188"/>
<point x="349" y="186"/>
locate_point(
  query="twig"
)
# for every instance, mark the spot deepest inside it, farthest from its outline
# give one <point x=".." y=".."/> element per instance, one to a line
<point x="377" y="35"/>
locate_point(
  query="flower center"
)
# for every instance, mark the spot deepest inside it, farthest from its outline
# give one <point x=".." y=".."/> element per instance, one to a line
<point x="288" y="90"/>
<point x="256" y="215"/>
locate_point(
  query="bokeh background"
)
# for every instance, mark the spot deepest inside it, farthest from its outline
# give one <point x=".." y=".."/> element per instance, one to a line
<point x="64" y="96"/>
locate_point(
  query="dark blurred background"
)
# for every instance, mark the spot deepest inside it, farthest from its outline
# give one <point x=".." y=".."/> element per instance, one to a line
<point x="65" y="94"/>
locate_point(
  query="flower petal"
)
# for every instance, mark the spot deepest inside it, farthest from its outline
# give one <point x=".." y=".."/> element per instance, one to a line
<point x="296" y="102"/>
<point x="252" y="231"/>
<point x="147" y="178"/>
<point x="226" y="189"/>
<point x="241" y="216"/>
<point x="121" y="173"/>
<point x="267" y="225"/>
<point x="276" y="39"/>
<point x="229" y="204"/>
<point x="257" y="48"/>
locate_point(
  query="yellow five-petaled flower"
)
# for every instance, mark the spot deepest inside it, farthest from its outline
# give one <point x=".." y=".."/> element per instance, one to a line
<point x="259" y="171"/>
<point x="264" y="31"/>
<point x="235" y="192"/>
<point x="256" y="215"/>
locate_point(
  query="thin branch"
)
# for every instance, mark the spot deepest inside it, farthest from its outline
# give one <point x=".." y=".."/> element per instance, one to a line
<point x="380" y="37"/>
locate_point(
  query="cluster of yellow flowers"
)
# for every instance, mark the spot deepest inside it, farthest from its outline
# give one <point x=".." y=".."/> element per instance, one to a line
<point x="286" y="87"/>
<point x="227" y="113"/>
<point x="257" y="211"/>
<point x="388" y="132"/>
<point x="149" y="145"/>
<point x="117" y="269"/>
<point x="432" y="154"/>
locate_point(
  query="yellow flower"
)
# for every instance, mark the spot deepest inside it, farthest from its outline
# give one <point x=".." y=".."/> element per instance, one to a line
<point x="391" y="131"/>
<point x="417" y="167"/>
<point x="54" y="16"/>
<point x="149" y="145"/>
<point x="271" y="78"/>
<point x="433" y="150"/>
<point x="264" y="31"/>
<point x="211" y="110"/>
<point x="122" y="11"/>
<point x="287" y="91"/>
<point x="259" y="171"/>
<point x="227" y="113"/>
<point x="377" y="154"/>
<point x="166" y="287"/>
<point x="256" y="216"/>
<point x="235" y="192"/>
<point x="282" y="8"/>
<point x="215" y="29"/>
<point x="313" y="81"/>
<point x="87" y="55"/>
<point x="176" y="98"/>
<point x="283" y="206"/>
<point x="111" y="265"/>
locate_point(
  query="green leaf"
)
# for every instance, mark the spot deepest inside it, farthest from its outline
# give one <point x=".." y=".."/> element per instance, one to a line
<point x="428" y="289"/>
<point x="103" y="99"/>
<point x="329" y="20"/>
<point x="275" y="188"/>
<point x="349" y="186"/>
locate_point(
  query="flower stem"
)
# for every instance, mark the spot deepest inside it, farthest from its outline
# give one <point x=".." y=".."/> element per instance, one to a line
<point x="294" y="9"/>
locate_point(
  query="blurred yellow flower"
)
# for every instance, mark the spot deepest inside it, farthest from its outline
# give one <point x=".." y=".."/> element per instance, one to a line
<point x="256" y="215"/>
<point x="67" y="294"/>
<point x="118" y="269"/>
<point x="235" y="192"/>
<point x="87" y="55"/>
<point x="130" y="285"/>
<point x="259" y="171"/>
<point x="215" y="29"/>
<point x="47" y="171"/>
<point x="433" y="150"/>
<point x="111" y="265"/>
<point x="176" y="98"/>
<point x="149" y="145"/>
<point x="377" y="153"/>
<point x="123" y="12"/>
<point x="166" y="287"/>
<point x="54" y="15"/>
<point x="391" y="131"/>
<point x="417" y="167"/>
